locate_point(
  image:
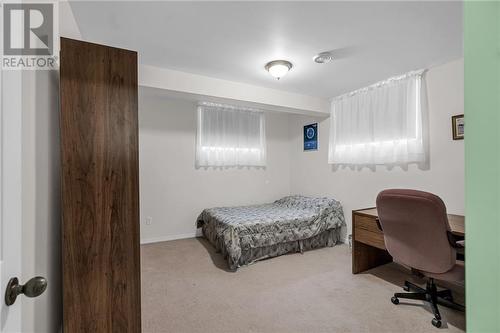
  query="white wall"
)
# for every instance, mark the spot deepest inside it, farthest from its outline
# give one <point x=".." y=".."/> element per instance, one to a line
<point x="173" y="192"/>
<point x="312" y="175"/>
<point x="192" y="86"/>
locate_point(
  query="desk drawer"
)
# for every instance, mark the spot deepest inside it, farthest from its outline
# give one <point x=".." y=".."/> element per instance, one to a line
<point x="368" y="237"/>
<point x="367" y="223"/>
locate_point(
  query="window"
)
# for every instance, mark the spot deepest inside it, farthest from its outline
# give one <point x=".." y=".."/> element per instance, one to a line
<point x="230" y="136"/>
<point x="380" y="124"/>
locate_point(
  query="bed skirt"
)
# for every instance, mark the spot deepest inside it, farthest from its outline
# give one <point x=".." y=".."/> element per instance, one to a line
<point x="250" y="255"/>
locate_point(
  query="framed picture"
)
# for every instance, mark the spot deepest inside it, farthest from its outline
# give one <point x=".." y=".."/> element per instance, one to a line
<point x="458" y="127"/>
<point x="311" y="137"/>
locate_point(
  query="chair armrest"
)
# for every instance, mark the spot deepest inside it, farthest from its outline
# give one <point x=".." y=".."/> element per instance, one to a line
<point x="461" y="250"/>
<point x="455" y="241"/>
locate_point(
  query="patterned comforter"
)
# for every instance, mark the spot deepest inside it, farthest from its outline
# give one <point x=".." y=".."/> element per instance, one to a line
<point x="292" y="218"/>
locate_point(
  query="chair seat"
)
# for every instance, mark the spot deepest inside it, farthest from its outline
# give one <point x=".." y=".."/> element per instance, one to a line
<point x="456" y="273"/>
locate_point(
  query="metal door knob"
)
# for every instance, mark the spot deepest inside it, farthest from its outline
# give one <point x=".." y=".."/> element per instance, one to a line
<point x="33" y="288"/>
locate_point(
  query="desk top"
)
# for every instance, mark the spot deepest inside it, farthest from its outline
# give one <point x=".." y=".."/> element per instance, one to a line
<point x="457" y="222"/>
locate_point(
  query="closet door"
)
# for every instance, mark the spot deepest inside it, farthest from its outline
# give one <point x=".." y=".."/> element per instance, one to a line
<point x="100" y="188"/>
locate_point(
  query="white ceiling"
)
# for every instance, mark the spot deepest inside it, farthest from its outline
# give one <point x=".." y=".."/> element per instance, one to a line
<point x="234" y="40"/>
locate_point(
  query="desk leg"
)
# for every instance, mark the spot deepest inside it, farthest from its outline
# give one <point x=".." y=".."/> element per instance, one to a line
<point x="365" y="257"/>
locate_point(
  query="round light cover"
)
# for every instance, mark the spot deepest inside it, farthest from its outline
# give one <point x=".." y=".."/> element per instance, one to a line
<point x="278" y="68"/>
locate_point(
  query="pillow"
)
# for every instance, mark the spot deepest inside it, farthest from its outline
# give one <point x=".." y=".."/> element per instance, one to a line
<point x="300" y="201"/>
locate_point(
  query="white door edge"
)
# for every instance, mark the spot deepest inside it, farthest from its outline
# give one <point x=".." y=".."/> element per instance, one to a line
<point x="10" y="194"/>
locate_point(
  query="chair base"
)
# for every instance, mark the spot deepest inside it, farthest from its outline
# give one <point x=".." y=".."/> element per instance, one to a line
<point x="431" y="295"/>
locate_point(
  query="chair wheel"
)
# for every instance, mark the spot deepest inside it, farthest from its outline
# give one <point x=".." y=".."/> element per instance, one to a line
<point x="395" y="300"/>
<point x="436" y="323"/>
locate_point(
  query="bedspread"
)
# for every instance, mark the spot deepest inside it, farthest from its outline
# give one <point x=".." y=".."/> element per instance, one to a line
<point x="291" y="218"/>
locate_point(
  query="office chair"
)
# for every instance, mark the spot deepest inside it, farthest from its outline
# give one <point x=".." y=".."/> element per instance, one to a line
<point x="417" y="234"/>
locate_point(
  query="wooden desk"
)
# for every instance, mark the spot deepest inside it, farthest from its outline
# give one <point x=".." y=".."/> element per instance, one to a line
<point x="368" y="246"/>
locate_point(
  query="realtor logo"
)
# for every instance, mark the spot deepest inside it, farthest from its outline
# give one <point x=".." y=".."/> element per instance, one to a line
<point x="37" y="28"/>
<point x="28" y="36"/>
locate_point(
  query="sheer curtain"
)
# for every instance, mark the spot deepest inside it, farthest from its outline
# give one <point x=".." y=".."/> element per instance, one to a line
<point x="381" y="124"/>
<point x="230" y="136"/>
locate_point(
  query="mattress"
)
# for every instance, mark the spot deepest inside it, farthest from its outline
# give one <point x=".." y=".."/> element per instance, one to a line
<point x="245" y="234"/>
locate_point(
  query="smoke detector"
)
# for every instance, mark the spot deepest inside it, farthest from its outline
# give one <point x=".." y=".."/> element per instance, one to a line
<point x="323" y="57"/>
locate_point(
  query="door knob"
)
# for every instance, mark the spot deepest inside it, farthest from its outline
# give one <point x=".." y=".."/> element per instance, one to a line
<point x="33" y="288"/>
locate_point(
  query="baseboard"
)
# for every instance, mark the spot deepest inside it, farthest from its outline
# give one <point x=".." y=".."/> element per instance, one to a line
<point x="169" y="238"/>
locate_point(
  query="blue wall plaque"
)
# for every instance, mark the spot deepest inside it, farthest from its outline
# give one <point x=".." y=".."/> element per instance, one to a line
<point x="311" y="137"/>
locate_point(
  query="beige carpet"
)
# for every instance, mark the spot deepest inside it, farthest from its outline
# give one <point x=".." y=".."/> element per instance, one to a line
<point x="186" y="288"/>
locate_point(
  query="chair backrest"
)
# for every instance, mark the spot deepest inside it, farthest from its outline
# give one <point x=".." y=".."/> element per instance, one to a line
<point x="415" y="226"/>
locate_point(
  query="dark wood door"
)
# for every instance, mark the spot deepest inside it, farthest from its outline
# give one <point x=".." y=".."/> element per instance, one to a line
<point x="100" y="188"/>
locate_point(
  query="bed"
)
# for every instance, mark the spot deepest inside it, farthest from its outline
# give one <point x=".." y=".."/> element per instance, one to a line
<point x="296" y="223"/>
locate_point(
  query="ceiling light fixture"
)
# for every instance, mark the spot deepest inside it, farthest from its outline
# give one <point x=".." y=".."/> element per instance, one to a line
<point x="323" y="57"/>
<point x="278" y="68"/>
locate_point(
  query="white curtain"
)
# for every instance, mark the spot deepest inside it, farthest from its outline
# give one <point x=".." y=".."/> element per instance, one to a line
<point x="230" y="136"/>
<point x="381" y="124"/>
